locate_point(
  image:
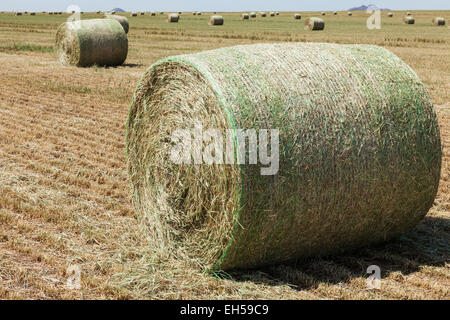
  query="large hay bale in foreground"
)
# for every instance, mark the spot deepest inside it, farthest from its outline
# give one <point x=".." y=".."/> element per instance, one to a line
<point x="173" y="17"/>
<point x="359" y="152"/>
<point x="85" y="43"/>
<point x="314" y="24"/>
<point x="121" y="19"/>
<point x="408" y="20"/>
<point x="439" y="21"/>
<point x="215" y="21"/>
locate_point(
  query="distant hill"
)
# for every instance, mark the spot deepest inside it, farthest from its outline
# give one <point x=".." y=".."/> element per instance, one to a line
<point x="118" y="10"/>
<point x="364" y="8"/>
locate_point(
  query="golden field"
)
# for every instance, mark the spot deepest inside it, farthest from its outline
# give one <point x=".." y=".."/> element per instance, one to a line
<point x="64" y="191"/>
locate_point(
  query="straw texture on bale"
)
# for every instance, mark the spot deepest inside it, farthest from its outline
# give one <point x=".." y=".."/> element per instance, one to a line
<point x="245" y="16"/>
<point x="439" y="21"/>
<point x="121" y="19"/>
<point x="314" y="24"/>
<point x="409" y="20"/>
<point x="215" y="21"/>
<point x="92" y="42"/>
<point x="297" y="16"/>
<point x="359" y="152"/>
<point x="173" y="17"/>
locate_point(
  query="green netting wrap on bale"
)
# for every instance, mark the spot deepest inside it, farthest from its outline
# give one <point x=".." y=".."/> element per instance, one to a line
<point x="359" y="152"/>
<point x="121" y="19"/>
<point x="85" y="43"/>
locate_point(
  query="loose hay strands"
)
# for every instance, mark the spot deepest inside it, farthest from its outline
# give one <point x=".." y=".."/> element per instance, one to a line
<point x="408" y="20"/>
<point x="245" y="16"/>
<point x="439" y="21"/>
<point x="314" y="24"/>
<point x="215" y="21"/>
<point x="173" y="17"/>
<point x="121" y="19"/>
<point x="360" y="152"/>
<point x="85" y="43"/>
<point x="297" y="16"/>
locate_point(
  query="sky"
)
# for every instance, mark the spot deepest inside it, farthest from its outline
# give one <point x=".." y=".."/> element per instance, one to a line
<point x="211" y="5"/>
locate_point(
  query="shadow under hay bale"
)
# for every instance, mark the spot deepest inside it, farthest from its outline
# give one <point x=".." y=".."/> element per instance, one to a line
<point x="86" y="43"/>
<point x="314" y="24"/>
<point x="359" y="152"/>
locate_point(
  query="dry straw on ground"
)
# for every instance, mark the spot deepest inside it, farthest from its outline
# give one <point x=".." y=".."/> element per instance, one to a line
<point x="314" y="24"/>
<point x="215" y="21"/>
<point x="360" y="152"/>
<point x="297" y="16"/>
<point x="121" y="19"/>
<point x="408" y="20"/>
<point x="439" y="21"/>
<point x="91" y="42"/>
<point x="173" y="17"/>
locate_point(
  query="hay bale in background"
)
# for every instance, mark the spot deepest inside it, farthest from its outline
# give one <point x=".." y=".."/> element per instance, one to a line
<point x="314" y="24"/>
<point x="194" y="13"/>
<point x="323" y="13"/>
<point x="245" y="16"/>
<point x="263" y="14"/>
<point x="349" y="13"/>
<point x="142" y="13"/>
<point x="85" y="43"/>
<point x="408" y="13"/>
<point x="408" y="20"/>
<point x="121" y="19"/>
<point x="359" y="161"/>
<point x="335" y="13"/>
<point x="18" y="14"/>
<point x="32" y="13"/>
<point x="215" y="21"/>
<point x="439" y="21"/>
<point x="297" y="16"/>
<point x="173" y="17"/>
<point x="272" y="14"/>
<point x="252" y="14"/>
<point x="133" y="14"/>
<point x="153" y="14"/>
<point x="277" y="13"/>
<point x="390" y="14"/>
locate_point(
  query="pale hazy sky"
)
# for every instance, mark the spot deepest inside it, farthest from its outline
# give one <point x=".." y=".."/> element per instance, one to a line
<point x="210" y="5"/>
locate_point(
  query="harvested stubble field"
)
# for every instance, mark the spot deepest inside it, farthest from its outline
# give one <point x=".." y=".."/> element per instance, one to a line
<point x="65" y="195"/>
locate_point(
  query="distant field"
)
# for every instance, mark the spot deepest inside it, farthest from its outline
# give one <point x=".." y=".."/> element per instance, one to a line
<point x="64" y="190"/>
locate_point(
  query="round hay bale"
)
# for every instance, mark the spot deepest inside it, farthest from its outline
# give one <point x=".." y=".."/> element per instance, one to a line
<point x="272" y="14"/>
<point x="323" y="13"/>
<point x="335" y="13"/>
<point x="142" y="13"/>
<point x="358" y="144"/>
<point x="252" y="14"/>
<point x="153" y="14"/>
<point x="173" y="17"/>
<point x="390" y="14"/>
<point x="263" y="14"/>
<point x="121" y="19"/>
<point x="32" y="13"/>
<point x="297" y="16"/>
<point x="194" y="13"/>
<point x="85" y="43"/>
<point x="245" y="16"/>
<point x="133" y="14"/>
<point x="18" y="14"/>
<point x="314" y="24"/>
<point x="349" y="13"/>
<point x="439" y="21"/>
<point x="408" y="20"/>
<point x="215" y="21"/>
<point x="408" y="13"/>
<point x="199" y="13"/>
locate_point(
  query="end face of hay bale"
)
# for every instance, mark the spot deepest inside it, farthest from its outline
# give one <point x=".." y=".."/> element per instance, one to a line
<point x="408" y="20"/>
<point x="263" y="14"/>
<point x="86" y="43"/>
<point x="314" y="23"/>
<point x="359" y="162"/>
<point x="133" y="14"/>
<point x="390" y="14"/>
<point x="439" y="21"/>
<point x="121" y="19"/>
<point x="349" y="13"/>
<point x="245" y="16"/>
<point x="323" y="13"/>
<point x="335" y="13"/>
<point x="173" y="17"/>
<point x="297" y="16"/>
<point x="272" y="14"/>
<point x="215" y="21"/>
<point x="252" y="14"/>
